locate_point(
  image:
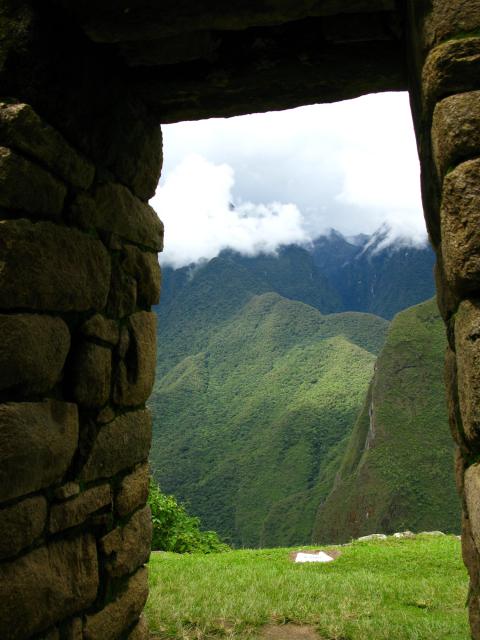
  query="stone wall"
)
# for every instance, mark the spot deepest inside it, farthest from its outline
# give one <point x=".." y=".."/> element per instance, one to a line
<point x="78" y="275"/>
<point x="83" y="88"/>
<point x="444" y="50"/>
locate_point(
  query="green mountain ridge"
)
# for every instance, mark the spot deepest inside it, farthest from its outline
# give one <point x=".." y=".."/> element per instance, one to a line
<point x="263" y="419"/>
<point x="397" y="469"/>
<point x="250" y="421"/>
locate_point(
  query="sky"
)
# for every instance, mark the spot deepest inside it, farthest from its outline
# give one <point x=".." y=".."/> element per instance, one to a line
<point x="255" y="182"/>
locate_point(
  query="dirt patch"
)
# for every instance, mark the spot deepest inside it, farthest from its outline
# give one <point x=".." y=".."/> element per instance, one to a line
<point x="288" y="632"/>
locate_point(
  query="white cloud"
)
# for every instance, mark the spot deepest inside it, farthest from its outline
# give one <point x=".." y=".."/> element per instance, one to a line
<point x="352" y="166"/>
<point x="197" y="207"/>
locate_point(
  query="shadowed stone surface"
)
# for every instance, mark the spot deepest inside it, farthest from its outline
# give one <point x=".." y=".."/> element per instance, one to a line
<point x="92" y="372"/>
<point x="118" y="615"/>
<point x="467" y="340"/>
<point x="119" y="445"/>
<point x="144" y="267"/>
<point x="117" y="210"/>
<point x="50" y="429"/>
<point x="77" y="510"/>
<point x="74" y="630"/>
<point x="460" y="216"/>
<point x="472" y="496"/>
<point x="140" y="632"/>
<point x="128" y="547"/>
<point x="22" y="129"/>
<point x="21" y="524"/>
<point x="46" y="585"/>
<point x="49" y="267"/>
<point x="136" y="374"/>
<point x="133" y="491"/>
<point x="102" y="329"/>
<point x="33" y="350"/>
<point x="44" y="194"/>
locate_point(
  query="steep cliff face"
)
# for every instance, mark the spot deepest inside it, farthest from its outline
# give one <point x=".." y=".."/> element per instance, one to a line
<point x="397" y="470"/>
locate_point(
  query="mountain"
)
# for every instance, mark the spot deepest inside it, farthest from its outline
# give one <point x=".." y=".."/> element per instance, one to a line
<point x="371" y="274"/>
<point x="249" y="421"/>
<point x="198" y="298"/>
<point x="397" y="469"/>
<point x="263" y="367"/>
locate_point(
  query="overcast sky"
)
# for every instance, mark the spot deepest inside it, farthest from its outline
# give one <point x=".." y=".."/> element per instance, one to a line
<point x="255" y="182"/>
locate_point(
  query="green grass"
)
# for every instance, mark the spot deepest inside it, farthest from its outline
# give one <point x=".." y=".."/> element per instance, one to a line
<point x="408" y="589"/>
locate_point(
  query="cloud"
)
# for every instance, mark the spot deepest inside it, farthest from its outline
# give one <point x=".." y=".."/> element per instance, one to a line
<point x="352" y="166"/>
<point x="202" y="217"/>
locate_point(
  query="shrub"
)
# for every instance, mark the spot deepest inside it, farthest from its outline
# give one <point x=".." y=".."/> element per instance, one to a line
<point x="175" y="530"/>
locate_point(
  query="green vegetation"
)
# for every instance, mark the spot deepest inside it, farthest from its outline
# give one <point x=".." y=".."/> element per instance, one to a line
<point x="174" y="530"/>
<point x="407" y="589"/>
<point x="245" y="427"/>
<point x="397" y="468"/>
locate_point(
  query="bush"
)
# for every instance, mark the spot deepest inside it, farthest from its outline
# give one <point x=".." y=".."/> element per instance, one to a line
<point x="175" y="530"/>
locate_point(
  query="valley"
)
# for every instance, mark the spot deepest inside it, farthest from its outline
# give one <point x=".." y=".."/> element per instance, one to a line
<point x="264" y="379"/>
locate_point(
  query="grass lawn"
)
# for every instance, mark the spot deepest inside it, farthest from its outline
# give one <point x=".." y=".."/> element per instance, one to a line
<point x="382" y="590"/>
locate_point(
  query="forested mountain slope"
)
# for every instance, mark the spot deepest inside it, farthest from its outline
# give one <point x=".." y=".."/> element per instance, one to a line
<point x="397" y="469"/>
<point x="252" y="419"/>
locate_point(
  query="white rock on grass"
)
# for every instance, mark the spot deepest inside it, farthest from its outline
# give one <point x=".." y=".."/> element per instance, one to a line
<point x="432" y="533"/>
<point x="373" y="536"/>
<point x="404" y="534"/>
<point x="313" y="557"/>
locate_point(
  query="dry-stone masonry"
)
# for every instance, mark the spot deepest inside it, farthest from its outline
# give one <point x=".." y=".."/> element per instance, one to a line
<point x="84" y="87"/>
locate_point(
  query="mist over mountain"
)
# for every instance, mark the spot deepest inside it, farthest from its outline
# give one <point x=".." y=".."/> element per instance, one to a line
<point x="374" y="273"/>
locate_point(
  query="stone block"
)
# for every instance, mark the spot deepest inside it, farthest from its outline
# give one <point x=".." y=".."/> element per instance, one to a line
<point x="450" y="377"/>
<point x="144" y="267"/>
<point x="119" y="445"/>
<point x="459" y="471"/>
<point x="33" y="350"/>
<point x="460" y="216"/>
<point x="51" y="634"/>
<point x="119" y="615"/>
<point x="67" y="490"/>
<point x="127" y="547"/>
<point x="474" y="611"/>
<point x="140" y="631"/>
<point x="456" y="130"/>
<point x="47" y="585"/>
<point x="92" y="372"/>
<point x="122" y="299"/>
<point x="106" y="415"/>
<point x="467" y="346"/>
<point x="469" y="551"/>
<point x="75" y="511"/>
<point x="136" y="159"/>
<point x="22" y="129"/>
<point x="452" y="67"/>
<point x="26" y="187"/>
<point x="21" y="524"/>
<point x="115" y="209"/>
<point x="136" y="373"/>
<point x="133" y="491"/>
<point x="446" y="20"/>
<point x="101" y="328"/>
<point x="74" y="629"/>
<point x="37" y="444"/>
<point x="472" y="499"/>
<point x="51" y="268"/>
